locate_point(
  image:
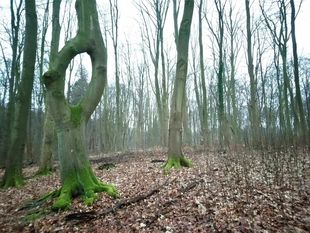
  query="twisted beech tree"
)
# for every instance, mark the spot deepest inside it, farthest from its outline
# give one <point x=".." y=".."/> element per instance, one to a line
<point x="175" y="156"/>
<point x="76" y="173"/>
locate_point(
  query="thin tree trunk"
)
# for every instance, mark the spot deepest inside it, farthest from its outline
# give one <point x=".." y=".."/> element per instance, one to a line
<point x="204" y="104"/>
<point x="303" y="125"/>
<point x="13" y="173"/>
<point x="253" y="107"/>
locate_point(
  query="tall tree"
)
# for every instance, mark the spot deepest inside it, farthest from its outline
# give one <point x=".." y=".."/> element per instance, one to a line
<point x="278" y="28"/>
<point x="175" y="156"/>
<point x="302" y="120"/>
<point x="77" y="176"/>
<point x="157" y="17"/>
<point x="253" y="105"/>
<point x="219" y="38"/>
<point x="15" y="41"/>
<point x="13" y="172"/>
<point x="45" y="165"/>
<point x="114" y="14"/>
<point x="232" y="25"/>
<point x="204" y="102"/>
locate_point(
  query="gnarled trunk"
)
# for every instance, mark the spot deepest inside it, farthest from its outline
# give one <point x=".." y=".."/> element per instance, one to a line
<point x="77" y="176"/>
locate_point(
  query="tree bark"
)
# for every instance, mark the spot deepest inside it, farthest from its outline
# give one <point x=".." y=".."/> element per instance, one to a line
<point x="302" y="126"/>
<point x="175" y="155"/>
<point x="204" y="104"/>
<point x="253" y="106"/>
<point x="13" y="173"/>
<point x="77" y="176"/>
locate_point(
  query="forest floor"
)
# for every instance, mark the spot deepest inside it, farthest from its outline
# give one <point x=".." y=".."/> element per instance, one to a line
<point x="240" y="191"/>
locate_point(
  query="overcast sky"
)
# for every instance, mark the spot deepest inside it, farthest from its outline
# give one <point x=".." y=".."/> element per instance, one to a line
<point x="129" y="25"/>
<point x="129" y="16"/>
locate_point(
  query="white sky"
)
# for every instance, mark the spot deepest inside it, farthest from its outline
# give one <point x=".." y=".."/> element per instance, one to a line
<point x="129" y="27"/>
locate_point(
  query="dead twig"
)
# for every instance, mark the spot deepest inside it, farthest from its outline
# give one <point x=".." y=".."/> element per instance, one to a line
<point x="86" y="216"/>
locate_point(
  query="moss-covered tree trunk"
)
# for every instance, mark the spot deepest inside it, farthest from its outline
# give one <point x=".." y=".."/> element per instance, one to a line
<point x="13" y="172"/>
<point x="76" y="173"/>
<point x="175" y="156"/>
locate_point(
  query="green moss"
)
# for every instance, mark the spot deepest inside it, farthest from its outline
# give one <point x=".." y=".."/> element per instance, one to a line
<point x="33" y="216"/>
<point x="76" y="114"/>
<point x="44" y="172"/>
<point x="70" y="187"/>
<point x="176" y="162"/>
<point x="84" y="184"/>
<point x="13" y="181"/>
<point x="107" y="188"/>
<point x="62" y="203"/>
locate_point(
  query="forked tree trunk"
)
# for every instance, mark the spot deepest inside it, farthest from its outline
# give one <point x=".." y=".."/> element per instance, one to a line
<point x="77" y="176"/>
<point x="175" y="155"/>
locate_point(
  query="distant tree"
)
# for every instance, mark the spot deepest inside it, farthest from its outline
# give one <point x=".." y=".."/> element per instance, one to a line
<point x="204" y="102"/>
<point x="253" y="105"/>
<point x="175" y="156"/>
<point x="48" y="142"/>
<point x="219" y="39"/>
<point x="77" y="176"/>
<point x="302" y="126"/>
<point x="154" y="14"/>
<point x="13" y="172"/>
<point x="78" y="89"/>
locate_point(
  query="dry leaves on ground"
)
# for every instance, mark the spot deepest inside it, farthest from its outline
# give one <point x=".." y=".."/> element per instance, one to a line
<point x="245" y="191"/>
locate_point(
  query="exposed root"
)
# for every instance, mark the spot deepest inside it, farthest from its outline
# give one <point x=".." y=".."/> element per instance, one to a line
<point x="176" y="162"/>
<point x="84" y="184"/>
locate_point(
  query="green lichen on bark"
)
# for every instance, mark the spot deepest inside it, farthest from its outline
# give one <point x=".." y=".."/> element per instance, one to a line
<point x="76" y="114"/>
<point x="85" y="184"/>
<point x="176" y="162"/>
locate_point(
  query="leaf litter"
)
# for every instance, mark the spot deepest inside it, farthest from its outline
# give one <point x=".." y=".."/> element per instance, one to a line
<point x="237" y="191"/>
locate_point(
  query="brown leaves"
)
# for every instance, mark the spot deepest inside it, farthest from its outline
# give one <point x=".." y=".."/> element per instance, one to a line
<point x="233" y="192"/>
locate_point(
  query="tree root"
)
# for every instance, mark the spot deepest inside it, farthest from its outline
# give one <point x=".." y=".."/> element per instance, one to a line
<point x="13" y="181"/>
<point x="86" y="216"/>
<point x="88" y="191"/>
<point x="91" y="215"/>
<point x="85" y="184"/>
<point x="40" y="201"/>
<point x="176" y="162"/>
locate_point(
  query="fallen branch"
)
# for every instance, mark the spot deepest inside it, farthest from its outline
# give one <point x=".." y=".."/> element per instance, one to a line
<point x="40" y="201"/>
<point x="164" y="208"/>
<point x="86" y="216"/>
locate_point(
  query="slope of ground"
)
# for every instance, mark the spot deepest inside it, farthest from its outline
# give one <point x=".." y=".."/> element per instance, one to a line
<point x="241" y="191"/>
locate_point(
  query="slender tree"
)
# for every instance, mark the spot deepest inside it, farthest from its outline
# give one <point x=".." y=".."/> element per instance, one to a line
<point x="77" y="176"/>
<point x="253" y="105"/>
<point x="45" y="165"/>
<point x="175" y="156"/>
<point x="15" y="41"/>
<point x="155" y="43"/>
<point x="302" y="120"/>
<point x="204" y="102"/>
<point x="13" y="172"/>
